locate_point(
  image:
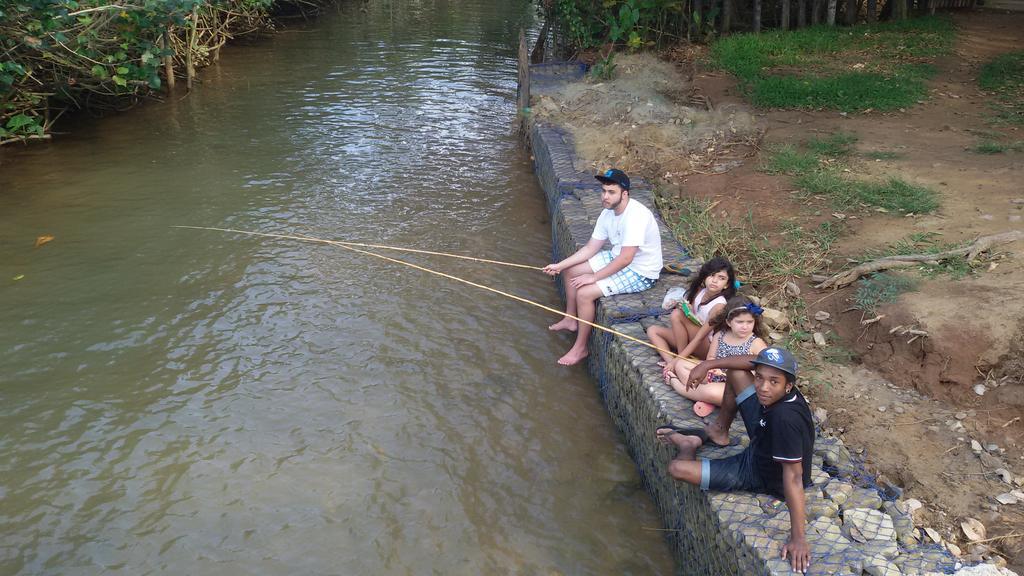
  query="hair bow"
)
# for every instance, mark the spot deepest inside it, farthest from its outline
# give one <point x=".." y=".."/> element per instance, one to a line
<point x="754" y="308"/>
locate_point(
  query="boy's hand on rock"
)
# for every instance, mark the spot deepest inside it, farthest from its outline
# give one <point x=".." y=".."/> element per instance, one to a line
<point x="799" y="553"/>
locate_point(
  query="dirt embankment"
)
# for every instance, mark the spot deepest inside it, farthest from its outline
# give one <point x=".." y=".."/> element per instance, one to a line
<point x="941" y="415"/>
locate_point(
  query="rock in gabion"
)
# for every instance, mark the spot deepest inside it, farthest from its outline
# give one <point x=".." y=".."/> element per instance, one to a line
<point x="863" y="498"/>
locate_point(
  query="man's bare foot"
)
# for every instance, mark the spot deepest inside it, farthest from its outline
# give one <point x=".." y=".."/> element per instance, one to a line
<point x="686" y="445"/>
<point x="573" y="356"/>
<point x="564" y="324"/>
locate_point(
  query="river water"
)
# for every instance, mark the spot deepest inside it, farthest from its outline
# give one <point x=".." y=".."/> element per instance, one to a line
<point x="191" y="402"/>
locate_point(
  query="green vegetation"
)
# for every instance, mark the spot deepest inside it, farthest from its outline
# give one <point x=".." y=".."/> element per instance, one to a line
<point x="1004" y="76"/>
<point x="872" y="66"/>
<point x="95" y="54"/>
<point x="879" y="289"/>
<point x="837" y="145"/>
<point x="767" y="262"/>
<point x="816" y="168"/>
<point x="996" y="147"/>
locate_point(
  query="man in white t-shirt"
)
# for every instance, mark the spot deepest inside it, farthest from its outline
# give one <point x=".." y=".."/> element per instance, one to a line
<point x="632" y="265"/>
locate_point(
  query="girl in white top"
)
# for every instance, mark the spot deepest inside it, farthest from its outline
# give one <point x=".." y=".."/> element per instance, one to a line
<point x="705" y="299"/>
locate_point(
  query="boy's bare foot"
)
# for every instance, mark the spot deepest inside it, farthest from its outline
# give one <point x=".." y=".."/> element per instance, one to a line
<point x="686" y="445"/>
<point x="565" y="324"/>
<point x="573" y="356"/>
<point x="701" y="434"/>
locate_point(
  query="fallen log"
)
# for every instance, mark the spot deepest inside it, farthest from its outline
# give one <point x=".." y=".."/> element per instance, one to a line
<point x="970" y="251"/>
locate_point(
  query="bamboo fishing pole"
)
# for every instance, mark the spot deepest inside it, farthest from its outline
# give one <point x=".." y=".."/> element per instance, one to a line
<point x="347" y="246"/>
<point x="378" y="246"/>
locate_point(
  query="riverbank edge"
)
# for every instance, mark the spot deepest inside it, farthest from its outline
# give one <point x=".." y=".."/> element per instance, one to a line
<point x="714" y="533"/>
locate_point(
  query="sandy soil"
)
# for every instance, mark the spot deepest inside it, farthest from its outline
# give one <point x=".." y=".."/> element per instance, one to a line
<point x="910" y="408"/>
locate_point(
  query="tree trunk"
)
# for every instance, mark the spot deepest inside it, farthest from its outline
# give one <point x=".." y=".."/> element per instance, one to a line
<point x="831" y="15"/>
<point x="801" y="13"/>
<point x="726" y="16"/>
<point x="757" y="16"/>
<point x="872" y="11"/>
<point x="851" y="12"/>
<point x="698" y="19"/>
<point x="785" y="14"/>
<point x="816" y="11"/>
<point x="899" y="9"/>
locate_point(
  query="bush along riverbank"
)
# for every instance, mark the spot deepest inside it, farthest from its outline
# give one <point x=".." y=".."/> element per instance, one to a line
<point x="63" y="55"/>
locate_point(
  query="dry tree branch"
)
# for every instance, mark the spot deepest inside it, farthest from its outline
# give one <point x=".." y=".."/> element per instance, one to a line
<point x="970" y="251"/>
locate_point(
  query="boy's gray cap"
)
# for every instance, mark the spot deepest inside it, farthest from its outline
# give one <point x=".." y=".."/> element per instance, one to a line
<point x="779" y="358"/>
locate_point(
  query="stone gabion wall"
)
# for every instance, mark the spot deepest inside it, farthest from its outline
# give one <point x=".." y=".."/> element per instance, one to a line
<point x="852" y="528"/>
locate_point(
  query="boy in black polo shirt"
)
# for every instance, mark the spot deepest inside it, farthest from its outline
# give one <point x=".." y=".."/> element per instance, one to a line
<point x="778" y="421"/>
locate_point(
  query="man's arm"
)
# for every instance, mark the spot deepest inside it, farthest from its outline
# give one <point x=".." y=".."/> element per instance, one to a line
<point x="582" y="255"/>
<point x="797" y="549"/>
<point x="699" y="373"/>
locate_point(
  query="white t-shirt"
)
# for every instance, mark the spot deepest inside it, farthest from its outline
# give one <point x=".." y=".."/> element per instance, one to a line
<point x="636" y="226"/>
<point x="701" y="311"/>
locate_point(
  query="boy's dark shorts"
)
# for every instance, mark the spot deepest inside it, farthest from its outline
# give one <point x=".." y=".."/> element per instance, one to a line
<point x="736" y="473"/>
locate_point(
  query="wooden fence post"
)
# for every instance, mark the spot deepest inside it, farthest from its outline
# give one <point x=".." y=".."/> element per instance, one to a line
<point x="523" y="100"/>
<point x="168" y="60"/>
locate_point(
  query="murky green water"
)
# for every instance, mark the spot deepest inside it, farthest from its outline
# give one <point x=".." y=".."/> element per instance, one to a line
<point x="184" y="402"/>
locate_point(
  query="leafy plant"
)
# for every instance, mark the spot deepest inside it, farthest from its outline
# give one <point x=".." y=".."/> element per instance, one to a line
<point x="878" y="289"/>
<point x="604" y="69"/>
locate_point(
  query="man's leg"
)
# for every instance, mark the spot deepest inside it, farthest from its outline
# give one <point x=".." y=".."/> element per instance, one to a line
<point x="586" y="309"/>
<point x="736" y="382"/>
<point x="567" y="323"/>
<point x="684" y="466"/>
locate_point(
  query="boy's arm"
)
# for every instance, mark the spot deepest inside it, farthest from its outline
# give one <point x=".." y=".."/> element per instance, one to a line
<point x="700" y="371"/>
<point x="797" y="549"/>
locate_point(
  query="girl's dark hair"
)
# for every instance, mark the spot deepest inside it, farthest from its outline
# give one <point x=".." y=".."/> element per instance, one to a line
<point x="734" y="307"/>
<point x="710" y="267"/>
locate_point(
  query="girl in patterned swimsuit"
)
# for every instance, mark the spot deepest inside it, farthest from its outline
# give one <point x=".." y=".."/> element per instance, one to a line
<point x="736" y="332"/>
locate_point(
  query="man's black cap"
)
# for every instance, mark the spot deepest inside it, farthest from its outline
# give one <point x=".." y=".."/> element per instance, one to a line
<point x="614" y="176"/>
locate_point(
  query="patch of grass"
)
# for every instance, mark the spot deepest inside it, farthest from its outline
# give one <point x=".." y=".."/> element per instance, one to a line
<point x="788" y="159"/>
<point x="893" y="195"/>
<point x="815" y="175"/>
<point x="869" y="66"/>
<point x="1004" y="76"/>
<point x="896" y="195"/>
<point x="848" y="92"/>
<point x="767" y="260"/>
<point x="878" y="289"/>
<point x="994" y="147"/>
<point x="837" y="145"/>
